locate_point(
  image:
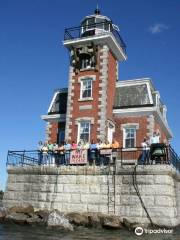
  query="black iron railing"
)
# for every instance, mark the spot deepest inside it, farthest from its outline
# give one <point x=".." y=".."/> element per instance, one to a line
<point x="102" y="157"/>
<point x="102" y="28"/>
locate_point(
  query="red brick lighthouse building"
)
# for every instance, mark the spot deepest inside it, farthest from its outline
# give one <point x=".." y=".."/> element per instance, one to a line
<point x="96" y="105"/>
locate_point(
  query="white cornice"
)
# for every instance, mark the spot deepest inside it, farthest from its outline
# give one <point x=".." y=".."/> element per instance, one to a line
<point x="54" y="118"/>
<point x="52" y="101"/>
<point x="105" y="38"/>
<point x="137" y="81"/>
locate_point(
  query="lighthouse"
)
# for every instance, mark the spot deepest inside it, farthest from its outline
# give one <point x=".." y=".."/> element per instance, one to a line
<point x="95" y="49"/>
<point x="96" y="105"/>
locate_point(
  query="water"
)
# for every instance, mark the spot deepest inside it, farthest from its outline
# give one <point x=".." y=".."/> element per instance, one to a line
<point x="25" y="232"/>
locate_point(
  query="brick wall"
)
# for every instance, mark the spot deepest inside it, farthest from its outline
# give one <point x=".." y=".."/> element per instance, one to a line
<point x="103" y="92"/>
<point x="53" y="130"/>
<point x="141" y="132"/>
<point x="111" y="85"/>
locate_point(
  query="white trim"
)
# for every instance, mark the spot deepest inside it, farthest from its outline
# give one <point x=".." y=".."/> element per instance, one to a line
<point x="136" y="81"/>
<point x="85" y="77"/>
<point x="54" y="117"/>
<point x="149" y="93"/>
<point x="52" y="101"/>
<point x="137" y="111"/>
<point x="81" y="87"/>
<point x="77" y="120"/>
<point x="106" y="38"/>
<point x="85" y="99"/>
<point x="131" y="126"/>
<point x="78" y="135"/>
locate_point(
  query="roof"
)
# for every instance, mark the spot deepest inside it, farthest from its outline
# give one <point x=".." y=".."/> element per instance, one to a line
<point x="127" y="96"/>
<point x="133" y="93"/>
<point x="59" y="102"/>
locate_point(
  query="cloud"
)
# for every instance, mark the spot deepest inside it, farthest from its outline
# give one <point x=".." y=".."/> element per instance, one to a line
<point x="158" y="27"/>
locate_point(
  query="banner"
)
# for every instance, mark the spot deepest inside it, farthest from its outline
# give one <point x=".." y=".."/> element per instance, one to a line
<point x="78" y="156"/>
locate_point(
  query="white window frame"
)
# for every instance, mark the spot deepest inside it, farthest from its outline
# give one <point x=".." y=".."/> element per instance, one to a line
<point x="81" y="88"/>
<point x="124" y="136"/>
<point x="79" y="129"/>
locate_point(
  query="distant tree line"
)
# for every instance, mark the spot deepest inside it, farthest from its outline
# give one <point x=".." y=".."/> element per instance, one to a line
<point x="1" y="194"/>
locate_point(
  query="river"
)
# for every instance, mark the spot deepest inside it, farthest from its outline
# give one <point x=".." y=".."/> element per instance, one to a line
<point x="25" y="232"/>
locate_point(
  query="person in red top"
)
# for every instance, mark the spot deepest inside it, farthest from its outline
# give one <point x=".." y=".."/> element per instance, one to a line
<point x="73" y="145"/>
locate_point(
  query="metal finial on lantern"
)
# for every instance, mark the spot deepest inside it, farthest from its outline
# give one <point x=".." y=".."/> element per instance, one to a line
<point x="97" y="11"/>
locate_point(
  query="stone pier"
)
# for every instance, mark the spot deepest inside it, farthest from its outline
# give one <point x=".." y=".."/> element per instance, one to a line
<point x="97" y="189"/>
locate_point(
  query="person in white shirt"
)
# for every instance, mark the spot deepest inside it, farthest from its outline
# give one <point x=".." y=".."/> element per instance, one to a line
<point x="155" y="138"/>
<point x="145" y="151"/>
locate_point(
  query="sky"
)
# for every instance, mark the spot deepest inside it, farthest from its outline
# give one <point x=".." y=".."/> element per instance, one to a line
<point x="33" y="61"/>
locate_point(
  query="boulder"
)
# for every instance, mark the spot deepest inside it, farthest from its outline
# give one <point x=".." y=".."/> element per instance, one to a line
<point x="2" y="214"/>
<point x="34" y="219"/>
<point x="43" y="214"/>
<point x="93" y="220"/>
<point x="111" y="221"/>
<point x="57" y="219"/>
<point x="20" y="218"/>
<point x="131" y="225"/>
<point x="78" y="219"/>
<point x="25" y="208"/>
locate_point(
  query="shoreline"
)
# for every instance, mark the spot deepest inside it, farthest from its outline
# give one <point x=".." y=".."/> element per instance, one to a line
<point x="69" y="221"/>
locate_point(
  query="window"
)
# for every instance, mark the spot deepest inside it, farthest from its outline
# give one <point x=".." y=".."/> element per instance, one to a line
<point x="86" y="88"/>
<point x="129" y="137"/>
<point x="86" y="63"/>
<point x="84" y="131"/>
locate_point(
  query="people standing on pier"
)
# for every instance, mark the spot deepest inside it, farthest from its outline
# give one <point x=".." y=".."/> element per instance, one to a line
<point x="93" y="149"/>
<point x="55" y="154"/>
<point x="74" y="146"/>
<point x="107" y="156"/>
<point x="67" y="148"/>
<point x="145" y="151"/>
<point x="45" y="153"/>
<point x="114" y="146"/>
<point x="61" y="158"/>
<point x="155" y="138"/>
<point x="99" y="146"/>
<point x="40" y="156"/>
<point x="86" y="145"/>
<point x="50" y="146"/>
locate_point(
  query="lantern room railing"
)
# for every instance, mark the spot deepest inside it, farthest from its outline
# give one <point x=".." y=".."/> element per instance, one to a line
<point x="96" y="29"/>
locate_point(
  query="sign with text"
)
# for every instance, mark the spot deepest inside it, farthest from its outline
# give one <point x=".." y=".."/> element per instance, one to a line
<point x="106" y="151"/>
<point x="78" y="156"/>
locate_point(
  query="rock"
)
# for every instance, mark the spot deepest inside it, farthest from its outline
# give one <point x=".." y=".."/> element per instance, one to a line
<point x="43" y="214"/>
<point x="34" y="219"/>
<point x="57" y="219"/>
<point x="2" y="214"/>
<point x="26" y="208"/>
<point x="78" y="219"/>
<point x="131" y="225"/>
<point x="113" y="222"/>
<point x="93" y="220"/>
<point x="16" y="217"/>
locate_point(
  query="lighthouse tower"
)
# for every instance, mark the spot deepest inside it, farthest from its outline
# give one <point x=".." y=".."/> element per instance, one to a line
<point x="95" y="49"/>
